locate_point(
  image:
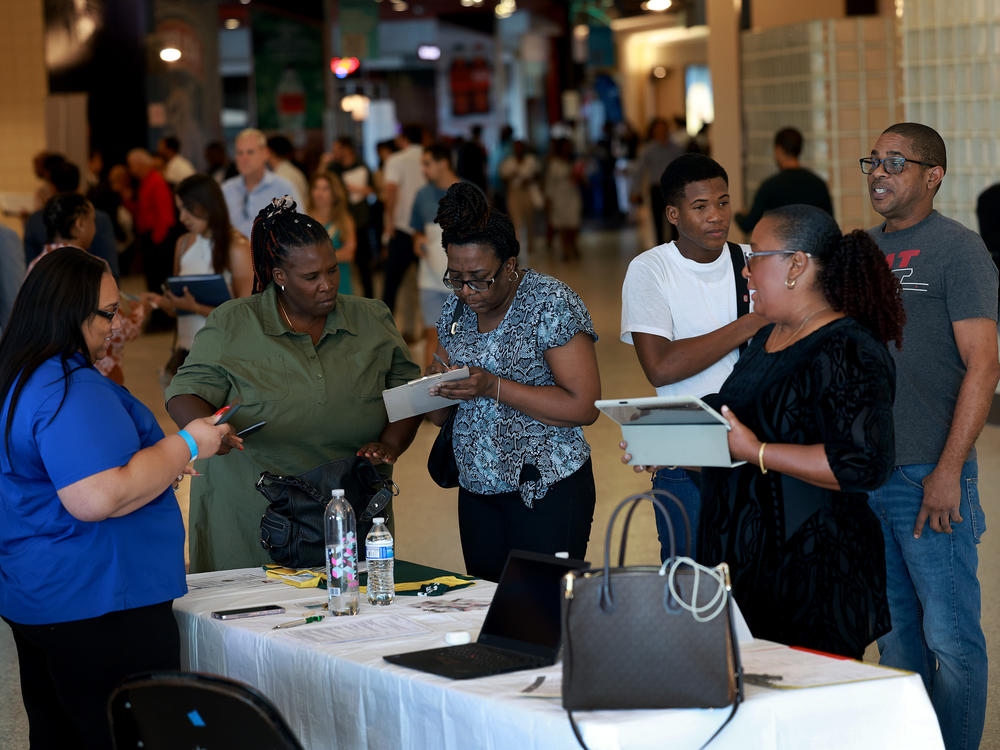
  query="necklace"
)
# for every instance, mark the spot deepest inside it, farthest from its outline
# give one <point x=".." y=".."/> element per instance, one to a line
<point x="281" y="308"/>
<point x="805" y="320"/>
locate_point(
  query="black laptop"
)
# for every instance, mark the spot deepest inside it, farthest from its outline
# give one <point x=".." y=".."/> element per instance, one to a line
<point x="521" y="630"/>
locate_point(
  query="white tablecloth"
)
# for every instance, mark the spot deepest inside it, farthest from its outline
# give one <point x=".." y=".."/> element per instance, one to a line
<point x="343" y="695"/>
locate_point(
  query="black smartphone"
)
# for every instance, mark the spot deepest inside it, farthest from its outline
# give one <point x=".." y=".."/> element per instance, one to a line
<point x="228" y="414"/>
<point x="239" y="614"/>
<point x="251" y="429"/>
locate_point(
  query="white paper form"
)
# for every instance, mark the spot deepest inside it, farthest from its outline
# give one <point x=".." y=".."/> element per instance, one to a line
<point x="782" y="667"/>
<point x="353" y="629"/>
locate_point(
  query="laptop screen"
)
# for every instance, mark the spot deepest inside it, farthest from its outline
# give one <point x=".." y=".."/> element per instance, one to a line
<point x="524" y="615"/>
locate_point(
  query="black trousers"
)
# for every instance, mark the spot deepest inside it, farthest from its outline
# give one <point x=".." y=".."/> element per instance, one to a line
<point x="69" y="670"/>
<point x="400" y="257"/>
<point x="492" y="525"/>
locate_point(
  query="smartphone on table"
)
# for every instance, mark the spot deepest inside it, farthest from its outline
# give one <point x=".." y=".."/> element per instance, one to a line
<point x="257" y="611"/>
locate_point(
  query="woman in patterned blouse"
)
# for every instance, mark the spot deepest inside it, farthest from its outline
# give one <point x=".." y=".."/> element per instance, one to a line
<point x="525" y="477"/>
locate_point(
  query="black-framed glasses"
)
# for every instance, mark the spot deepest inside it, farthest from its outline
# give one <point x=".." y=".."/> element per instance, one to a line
<point x="750" y="254"/>
<point x="106" y="314"/>
<point x="891" y="164"/>
<point x="476" y="285"/>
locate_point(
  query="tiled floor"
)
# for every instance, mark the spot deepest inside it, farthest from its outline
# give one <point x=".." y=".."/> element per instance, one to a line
<point x="426" y="524"/>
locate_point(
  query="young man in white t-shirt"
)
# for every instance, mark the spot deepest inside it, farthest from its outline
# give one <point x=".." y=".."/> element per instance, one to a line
<point x="680" y="308"/>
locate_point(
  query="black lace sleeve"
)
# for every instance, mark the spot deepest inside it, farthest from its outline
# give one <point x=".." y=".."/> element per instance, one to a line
<point x="857" y="380"/>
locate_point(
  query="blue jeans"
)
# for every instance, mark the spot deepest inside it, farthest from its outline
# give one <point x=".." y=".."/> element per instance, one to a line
<point x="678" y="482"/>
<point x="934" y="601"/>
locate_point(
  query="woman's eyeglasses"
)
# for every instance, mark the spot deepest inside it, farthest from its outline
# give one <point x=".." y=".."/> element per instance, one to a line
<point x="108" y="315"/>
<point x="750" y="255"/>
<point x="891" y="164"/>
<point x="476" y="285"/>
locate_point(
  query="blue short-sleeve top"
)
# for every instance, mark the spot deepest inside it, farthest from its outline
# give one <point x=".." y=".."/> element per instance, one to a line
<point x="54" y="567"/>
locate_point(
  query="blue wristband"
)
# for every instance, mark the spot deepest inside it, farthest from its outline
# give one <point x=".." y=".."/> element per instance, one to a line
<point x="191" y="444"/>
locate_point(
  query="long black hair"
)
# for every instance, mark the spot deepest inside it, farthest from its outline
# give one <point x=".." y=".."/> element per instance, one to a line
<point x="201" y="195"/>
<point x="466" y="218"/>
<point x="277" y="231"/>
<point x="59" y="295"/>
<point x="853" y="274"/>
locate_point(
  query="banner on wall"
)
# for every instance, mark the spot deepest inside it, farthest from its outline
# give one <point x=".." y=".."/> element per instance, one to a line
<point x="288" y="72"/>
<point x="469" y="81"/>
<point x="357" y="25"/>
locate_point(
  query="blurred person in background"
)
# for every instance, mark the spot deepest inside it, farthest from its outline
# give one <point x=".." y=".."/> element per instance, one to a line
<point x="255" y="186"/>
<point x="210" y="245"/>
<point x="64" y="177"/>
<point x="343" y="161"/>
<point x="654" y="156"/>
<point x="279" y="159"/>
<point x="153" y="212"/>
<point x="11" y="271"/>
<point x="521" y="174"/>
<point x="562" y="196"/>
<point x="175" y="166"/>
<point x="328" y="205"/>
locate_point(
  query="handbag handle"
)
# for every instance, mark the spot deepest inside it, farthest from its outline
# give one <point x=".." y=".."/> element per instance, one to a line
<point x="607" y="598"/>
<point x="670" y="525"/>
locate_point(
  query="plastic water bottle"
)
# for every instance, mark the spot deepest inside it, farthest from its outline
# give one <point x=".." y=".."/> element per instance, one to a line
<point x="341" y="556"/>
<point x="378" y="550"/>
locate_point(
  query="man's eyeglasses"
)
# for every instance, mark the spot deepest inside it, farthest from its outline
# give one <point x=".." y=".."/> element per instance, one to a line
<point x="891" y="164"/>
<point x="750" y="255"/>
<point x="476" y="285"/>
<point x="106" y="314"/>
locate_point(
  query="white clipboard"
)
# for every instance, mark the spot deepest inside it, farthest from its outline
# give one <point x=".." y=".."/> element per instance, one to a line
<point x="414" y="397"/>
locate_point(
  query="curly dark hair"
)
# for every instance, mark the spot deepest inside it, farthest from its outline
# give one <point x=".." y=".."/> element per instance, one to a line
<point x="278" y="231"/>
<point x="466" y="218"/>
<point x="853" y="274"/>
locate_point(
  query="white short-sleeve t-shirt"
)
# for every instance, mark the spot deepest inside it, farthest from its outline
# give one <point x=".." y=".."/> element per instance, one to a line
<point x="668" y="295"/>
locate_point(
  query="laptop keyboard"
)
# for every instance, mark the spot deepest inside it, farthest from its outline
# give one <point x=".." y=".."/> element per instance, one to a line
<point x="488" y="658"/>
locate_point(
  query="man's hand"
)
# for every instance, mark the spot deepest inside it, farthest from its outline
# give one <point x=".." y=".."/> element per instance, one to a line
<point x="942" y="496"/>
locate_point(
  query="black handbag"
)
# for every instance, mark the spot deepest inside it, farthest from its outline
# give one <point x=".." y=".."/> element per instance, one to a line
<point x="292" y="529"/>
<point x="649" y="636"/>
<point x="441" y="464"/>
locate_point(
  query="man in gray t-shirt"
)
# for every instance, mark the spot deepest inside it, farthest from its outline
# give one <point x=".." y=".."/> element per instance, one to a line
<point x="946" y="373"/>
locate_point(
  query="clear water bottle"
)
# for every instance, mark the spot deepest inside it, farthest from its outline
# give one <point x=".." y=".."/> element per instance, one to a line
<point x="378" y="551"/>
<point x="341" y="556"/>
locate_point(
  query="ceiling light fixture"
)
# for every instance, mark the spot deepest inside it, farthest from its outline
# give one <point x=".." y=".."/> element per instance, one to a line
<point x="656" y="6"/>
<point x="170" y="54"/>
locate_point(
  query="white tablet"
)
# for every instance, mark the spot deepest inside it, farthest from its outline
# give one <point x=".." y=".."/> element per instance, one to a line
<point x="671" y="430"/>
<point x="414" y="397"/>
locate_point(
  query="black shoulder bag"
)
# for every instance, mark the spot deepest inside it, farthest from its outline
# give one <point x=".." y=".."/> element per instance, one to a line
<point x="441" y="464"/>
<point x="292" y="528"/>
<point x="742" y="291"/>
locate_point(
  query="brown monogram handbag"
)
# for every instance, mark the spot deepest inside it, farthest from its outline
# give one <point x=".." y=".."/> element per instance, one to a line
<point x="649" y="636"/>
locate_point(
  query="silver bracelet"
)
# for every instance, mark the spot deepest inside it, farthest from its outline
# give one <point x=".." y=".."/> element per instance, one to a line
<point x="498" y="390"/>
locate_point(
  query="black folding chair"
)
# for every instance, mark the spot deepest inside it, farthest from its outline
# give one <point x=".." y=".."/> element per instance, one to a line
<point x="172" y="710"/>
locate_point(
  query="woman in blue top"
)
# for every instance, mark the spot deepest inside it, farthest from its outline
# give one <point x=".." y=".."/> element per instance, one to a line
<point x="525" y="478"/>
<point x="92" y="543"/>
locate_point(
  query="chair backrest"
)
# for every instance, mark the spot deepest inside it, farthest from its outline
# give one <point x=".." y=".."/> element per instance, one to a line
<point x="169" y="710"/>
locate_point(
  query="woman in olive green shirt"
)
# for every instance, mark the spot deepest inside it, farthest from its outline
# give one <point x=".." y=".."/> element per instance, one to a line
<point x="310" y="362"/>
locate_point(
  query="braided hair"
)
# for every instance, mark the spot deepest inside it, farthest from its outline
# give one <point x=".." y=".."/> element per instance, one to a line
<point x="466" y="218"/>
<point x="853" y="274"/>
<point x="277" y="231"/>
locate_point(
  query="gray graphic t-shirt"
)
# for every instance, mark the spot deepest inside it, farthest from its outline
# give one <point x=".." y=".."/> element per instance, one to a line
<point x="947" y="275"/>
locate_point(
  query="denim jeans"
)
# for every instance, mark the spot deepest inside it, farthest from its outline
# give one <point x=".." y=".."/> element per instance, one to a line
<point x="934" y="601"/>
<point x="678" y="482"/>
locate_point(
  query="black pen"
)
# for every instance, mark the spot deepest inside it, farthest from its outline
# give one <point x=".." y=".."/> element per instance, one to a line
<point x="441" y="361"/>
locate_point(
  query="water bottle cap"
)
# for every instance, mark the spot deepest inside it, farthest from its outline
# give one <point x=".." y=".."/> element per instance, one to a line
<point x="336" y="493"/>
<point x="377" y="520"/>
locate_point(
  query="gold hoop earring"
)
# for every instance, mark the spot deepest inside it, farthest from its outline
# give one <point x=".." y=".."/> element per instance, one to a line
<point x="790" y="284"/>
<point x="513" y="276"/>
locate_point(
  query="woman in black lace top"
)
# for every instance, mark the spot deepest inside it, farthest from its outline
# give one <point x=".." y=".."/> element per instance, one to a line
<point x="810" y="404"/>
